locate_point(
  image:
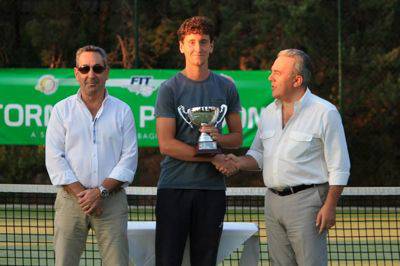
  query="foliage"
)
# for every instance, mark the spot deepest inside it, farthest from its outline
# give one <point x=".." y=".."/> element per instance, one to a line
<point x="46" y="33"/>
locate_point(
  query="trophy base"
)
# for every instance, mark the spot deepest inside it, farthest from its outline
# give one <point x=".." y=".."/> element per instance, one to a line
<point x="207" y="148"/>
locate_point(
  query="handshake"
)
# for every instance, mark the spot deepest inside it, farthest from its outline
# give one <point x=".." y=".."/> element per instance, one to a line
<point x="227" y="164"/>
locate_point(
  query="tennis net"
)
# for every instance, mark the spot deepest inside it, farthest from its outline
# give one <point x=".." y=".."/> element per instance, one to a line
<point x="367" y="230"/>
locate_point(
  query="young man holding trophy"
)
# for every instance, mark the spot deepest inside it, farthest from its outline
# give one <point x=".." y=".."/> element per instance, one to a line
<point x="190" y="109"/>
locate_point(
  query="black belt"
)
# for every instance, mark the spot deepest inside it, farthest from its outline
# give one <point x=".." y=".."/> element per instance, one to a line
<point x="291" y="190"/>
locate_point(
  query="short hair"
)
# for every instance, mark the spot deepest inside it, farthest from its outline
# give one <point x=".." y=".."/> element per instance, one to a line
<point x="303" y="64"/>
<point x="91" y="48"/>
<point x="196" y="25"/>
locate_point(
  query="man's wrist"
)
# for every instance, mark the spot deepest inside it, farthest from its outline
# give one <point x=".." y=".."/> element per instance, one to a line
<point x="98" y="192"/>
<point x="104" y="193"/>
<point x="330" y="204"/>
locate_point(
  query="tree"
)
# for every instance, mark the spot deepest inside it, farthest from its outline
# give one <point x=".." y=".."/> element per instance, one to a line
<point x="249" y="34"/>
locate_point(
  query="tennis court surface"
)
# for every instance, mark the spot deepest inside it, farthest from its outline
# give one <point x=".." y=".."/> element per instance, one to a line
<point x="367" y="230"/>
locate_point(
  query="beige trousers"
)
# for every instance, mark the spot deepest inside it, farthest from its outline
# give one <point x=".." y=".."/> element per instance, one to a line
<point x="293" y="237"/>
<point x="71" y="228"/>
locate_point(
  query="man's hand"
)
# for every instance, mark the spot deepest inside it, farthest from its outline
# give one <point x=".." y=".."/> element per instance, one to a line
<point x="89" y="200"/>
<point x="212" y="131"/>
<point x="326" y="217"/>
<point x="234" y="159"/>
<point x="224" y="165"/>
<point x="244" y="163"/>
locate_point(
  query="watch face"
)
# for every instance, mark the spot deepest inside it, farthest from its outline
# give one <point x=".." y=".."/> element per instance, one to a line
<point x="104" y="193"/>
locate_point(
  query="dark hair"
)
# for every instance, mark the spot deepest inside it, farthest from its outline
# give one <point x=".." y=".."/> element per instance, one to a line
<point x="196" y="25"/>
<point x="91" y="48"/>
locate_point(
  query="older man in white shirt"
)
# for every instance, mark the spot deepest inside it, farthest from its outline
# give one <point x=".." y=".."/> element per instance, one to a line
<point x="301" y="147"/>
<point x="91" y="155"/>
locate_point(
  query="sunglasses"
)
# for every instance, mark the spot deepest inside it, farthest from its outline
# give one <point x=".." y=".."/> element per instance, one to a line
<point x="98" y="69"/>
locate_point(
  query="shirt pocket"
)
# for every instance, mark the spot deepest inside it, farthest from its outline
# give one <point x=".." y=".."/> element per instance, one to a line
<point x="298" y="146"/>
<point x="267" y="137"/>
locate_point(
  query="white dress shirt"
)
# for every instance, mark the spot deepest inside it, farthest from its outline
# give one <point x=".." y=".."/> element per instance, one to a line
<point x="310" y="149"/>
<point x="86" y="149"/>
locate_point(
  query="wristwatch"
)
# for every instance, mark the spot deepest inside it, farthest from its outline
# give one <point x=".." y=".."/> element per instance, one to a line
<point x="104" y="193"/>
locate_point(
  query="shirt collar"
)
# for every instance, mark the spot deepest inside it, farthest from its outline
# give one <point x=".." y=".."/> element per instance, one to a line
<point x="298" y="104"/>
<point x="79" y="96"/>
<point x="277" y="103"/>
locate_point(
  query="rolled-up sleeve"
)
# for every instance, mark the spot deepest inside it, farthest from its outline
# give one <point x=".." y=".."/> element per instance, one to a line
<point x="57" y="166"/>
<point x="335" y="149"/>
<point x="256" y="150"/>
<point x="126" y="167"/>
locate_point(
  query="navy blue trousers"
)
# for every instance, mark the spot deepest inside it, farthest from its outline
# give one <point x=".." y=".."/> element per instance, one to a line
<point x="196" y="213"/>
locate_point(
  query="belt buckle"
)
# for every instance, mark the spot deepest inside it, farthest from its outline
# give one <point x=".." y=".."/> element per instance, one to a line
<point x="283" y="189"/>
<point x="279" y="189"/>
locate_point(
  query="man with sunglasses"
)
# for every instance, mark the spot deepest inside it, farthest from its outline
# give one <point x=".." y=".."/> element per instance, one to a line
<point x="91" y="155"/>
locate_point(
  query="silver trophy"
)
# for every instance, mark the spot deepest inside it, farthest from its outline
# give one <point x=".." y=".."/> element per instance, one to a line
<point x="202" y="116"/>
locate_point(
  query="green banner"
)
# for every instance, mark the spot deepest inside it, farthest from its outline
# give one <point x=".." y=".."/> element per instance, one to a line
<point x="28" y="95"/>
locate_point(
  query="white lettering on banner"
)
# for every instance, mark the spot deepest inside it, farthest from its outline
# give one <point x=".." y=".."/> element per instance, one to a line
<point x="20" y="115"/>
<point x="40" y="134"/>
<point x="146" y="114"/>
<point x="47" y="113"/>
<point x="28" y="115"/>
<point x="243" y="117"/>
<point x="250" y="117"/>
<point x="17" y="115"/>
<point x="32" y="114"/>
<point x="254" y="117"/>
<point x="146" y="136"/>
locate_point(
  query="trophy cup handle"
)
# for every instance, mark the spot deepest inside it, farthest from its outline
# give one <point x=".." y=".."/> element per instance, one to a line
<point x="182" y="113"/>
<point x="224" y="108"/>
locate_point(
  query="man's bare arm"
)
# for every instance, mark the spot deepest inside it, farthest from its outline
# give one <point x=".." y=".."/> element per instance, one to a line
<point x="170" y="146"/>
<point x="326" y="217"/>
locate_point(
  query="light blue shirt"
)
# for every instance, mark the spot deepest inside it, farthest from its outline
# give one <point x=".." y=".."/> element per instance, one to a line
<point x="86" y="149"/>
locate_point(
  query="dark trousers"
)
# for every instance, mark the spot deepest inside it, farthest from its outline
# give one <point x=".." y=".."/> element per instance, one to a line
<point x="198" y="214"/>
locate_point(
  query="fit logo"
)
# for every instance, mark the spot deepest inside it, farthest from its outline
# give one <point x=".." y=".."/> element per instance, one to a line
<point x="142" y="85"/>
